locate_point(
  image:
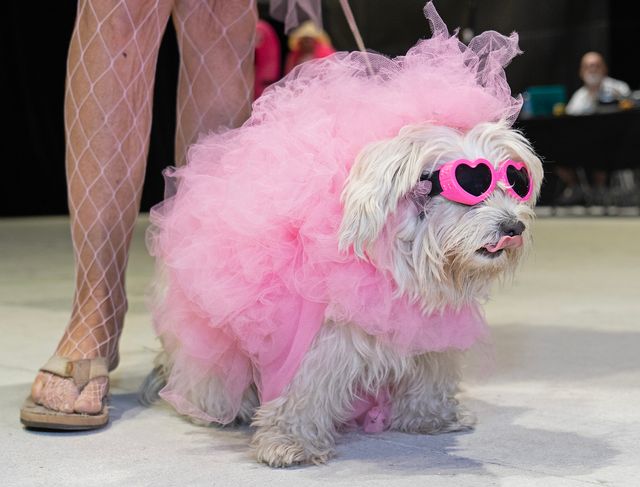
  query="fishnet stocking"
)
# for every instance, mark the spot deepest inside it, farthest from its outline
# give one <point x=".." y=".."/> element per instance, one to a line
<point x="215" y="84"/>
<point x="62" y="395"/>
<point x="110" y="76"/>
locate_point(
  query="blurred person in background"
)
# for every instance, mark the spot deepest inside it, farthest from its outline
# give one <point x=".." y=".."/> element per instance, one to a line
<point x="307" y="42"/>
<point x="267" y="62"/>
<point x="599" y="91"/>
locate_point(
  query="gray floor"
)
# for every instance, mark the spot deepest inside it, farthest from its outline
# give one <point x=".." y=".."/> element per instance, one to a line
<point x="561" y="405"/>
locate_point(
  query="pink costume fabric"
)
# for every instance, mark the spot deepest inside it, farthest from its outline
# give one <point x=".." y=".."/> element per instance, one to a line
<point x="295" y="57"/>
<point x="248" y="247"/>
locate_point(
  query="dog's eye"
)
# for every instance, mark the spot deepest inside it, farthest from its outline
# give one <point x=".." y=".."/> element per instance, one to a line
<point x="424" y="176"/>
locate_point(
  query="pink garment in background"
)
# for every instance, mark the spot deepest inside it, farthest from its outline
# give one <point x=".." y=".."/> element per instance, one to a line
<point x="248" y="244"/>
<point x="319" y="51"/>
<point x="267" y="60"/>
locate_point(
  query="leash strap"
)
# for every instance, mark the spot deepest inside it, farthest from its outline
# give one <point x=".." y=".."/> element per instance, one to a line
<point x="356" y="32"/>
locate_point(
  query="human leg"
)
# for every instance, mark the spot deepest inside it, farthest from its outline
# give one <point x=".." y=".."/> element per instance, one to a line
<point x="110" y="76"/>
<point x="216" y="40"/>
<point x="572" y="192"/>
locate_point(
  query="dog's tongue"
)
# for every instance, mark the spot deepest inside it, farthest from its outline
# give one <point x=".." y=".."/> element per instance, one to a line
<point x="506" y="242"/>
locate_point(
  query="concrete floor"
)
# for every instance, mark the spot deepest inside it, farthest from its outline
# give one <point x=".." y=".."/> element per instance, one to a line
<point x="560" y="408"/>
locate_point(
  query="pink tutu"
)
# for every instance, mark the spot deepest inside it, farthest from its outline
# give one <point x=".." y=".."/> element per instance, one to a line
<point x="248" y="244"/>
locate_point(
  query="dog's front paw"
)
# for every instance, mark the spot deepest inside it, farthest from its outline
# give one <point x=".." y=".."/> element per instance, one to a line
<point x="278" y="450"/>
<point x="463" y="420"/>
<point x="459" y="420"/>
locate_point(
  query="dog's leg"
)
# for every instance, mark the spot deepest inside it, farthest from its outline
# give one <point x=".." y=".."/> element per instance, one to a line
<point x="300" y="425"/>
<point x="250" y="403"/>
<point x="424" y="399"/>
<point x="207" y="394"/>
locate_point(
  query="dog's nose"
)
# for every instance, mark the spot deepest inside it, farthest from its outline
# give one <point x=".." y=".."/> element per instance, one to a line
<point x="512" y="228"/>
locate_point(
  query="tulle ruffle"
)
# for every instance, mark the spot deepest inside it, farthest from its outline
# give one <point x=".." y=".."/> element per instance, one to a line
<point x="248" y="244"/>
<point x="294" y="12"/>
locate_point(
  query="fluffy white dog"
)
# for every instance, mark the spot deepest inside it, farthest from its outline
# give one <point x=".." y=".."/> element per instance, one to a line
<point x="401" y="212"/>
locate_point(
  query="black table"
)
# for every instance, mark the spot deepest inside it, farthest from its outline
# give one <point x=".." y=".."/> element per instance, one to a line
<point x="608" y="141"/>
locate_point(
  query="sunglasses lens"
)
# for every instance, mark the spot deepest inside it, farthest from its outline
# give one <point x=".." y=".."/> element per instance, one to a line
<point x="519" y="180"/>
<point x="474" y="180"/>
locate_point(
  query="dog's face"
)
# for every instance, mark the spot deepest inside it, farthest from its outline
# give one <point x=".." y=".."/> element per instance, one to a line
<point x="439" y="251"/>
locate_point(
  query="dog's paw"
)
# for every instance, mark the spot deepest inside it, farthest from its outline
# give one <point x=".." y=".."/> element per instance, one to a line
<point x="464" y="420"/>
<point x="460" y="420"/>
<point x="285" y="451"/>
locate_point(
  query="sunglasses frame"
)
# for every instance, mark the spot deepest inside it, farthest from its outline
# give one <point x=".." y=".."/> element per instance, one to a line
<point x="446" y="185"/>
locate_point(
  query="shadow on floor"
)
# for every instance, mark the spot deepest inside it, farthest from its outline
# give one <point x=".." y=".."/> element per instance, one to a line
<point x="523" y="353"/>
<point x="517" y="449"/>
<point x="560" y="353"/>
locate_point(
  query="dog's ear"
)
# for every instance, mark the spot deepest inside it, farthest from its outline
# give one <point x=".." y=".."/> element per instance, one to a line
<point x="382" y="174"/>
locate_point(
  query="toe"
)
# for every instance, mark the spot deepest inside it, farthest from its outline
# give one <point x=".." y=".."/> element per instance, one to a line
<point x="90" y="399"/>
<point x="55" y="392"/>
<point x="37" y="386"/>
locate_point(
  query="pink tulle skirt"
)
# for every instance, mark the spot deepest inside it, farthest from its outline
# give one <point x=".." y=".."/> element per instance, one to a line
<point x="248" y="247"/>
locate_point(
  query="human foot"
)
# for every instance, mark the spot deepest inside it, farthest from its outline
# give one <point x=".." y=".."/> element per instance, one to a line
<point x="68" y="395"/>
<point x="64" y="394"/>
<point x="75" y="381"/>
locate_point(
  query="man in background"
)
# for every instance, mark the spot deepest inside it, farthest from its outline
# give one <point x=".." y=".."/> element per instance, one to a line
<point x="598" y="92"/>
<point x="598" y="89"/>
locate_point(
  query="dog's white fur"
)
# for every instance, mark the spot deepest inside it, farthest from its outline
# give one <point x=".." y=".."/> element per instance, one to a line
<point x="430" y="246"/>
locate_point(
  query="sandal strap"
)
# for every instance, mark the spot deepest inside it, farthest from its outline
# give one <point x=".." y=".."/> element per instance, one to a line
<point x="81" y="371"/>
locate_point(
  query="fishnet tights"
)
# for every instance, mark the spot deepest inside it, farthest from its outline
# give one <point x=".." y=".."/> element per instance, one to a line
<point x="215" y="84"/>
<point x="110" y="76"/>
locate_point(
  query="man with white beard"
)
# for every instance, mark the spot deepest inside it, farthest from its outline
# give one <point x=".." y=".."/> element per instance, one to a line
<point x="598" y="87"/>
<point x="598" y="90"/>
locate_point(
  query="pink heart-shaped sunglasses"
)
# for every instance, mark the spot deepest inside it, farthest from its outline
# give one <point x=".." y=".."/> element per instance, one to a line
<point x="469" y="183"/>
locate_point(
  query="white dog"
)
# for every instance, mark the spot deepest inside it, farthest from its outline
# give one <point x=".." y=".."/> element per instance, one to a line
<point x="425" y="206"/>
